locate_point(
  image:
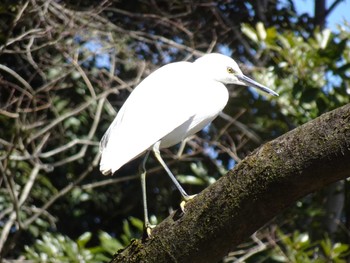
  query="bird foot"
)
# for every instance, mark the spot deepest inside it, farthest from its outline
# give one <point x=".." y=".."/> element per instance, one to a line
<point x="148" y="230"/>
<point x="184" y="202"/>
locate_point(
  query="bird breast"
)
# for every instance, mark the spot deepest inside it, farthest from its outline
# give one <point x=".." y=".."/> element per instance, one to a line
<point x="209" y="100"/>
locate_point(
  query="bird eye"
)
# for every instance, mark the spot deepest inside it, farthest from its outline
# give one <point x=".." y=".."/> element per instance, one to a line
<point x="230" y="70"/>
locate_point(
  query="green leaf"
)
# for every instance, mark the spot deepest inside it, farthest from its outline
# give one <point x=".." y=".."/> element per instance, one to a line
<point x="126" y="228"/>
<point x="323" y="38"/>
<point x="340" y="248"/>
<point x="109" y="244"/>
<point x="302" y="240"/>
<point x="136" y="223"/>
<point x="249" y="32"/>
<point x="260" y="29"/>
<point x="84" y="239"/>
<point x="326" y="246"/>
<point x="190" y="179"/>
<point x="284" y="41"/>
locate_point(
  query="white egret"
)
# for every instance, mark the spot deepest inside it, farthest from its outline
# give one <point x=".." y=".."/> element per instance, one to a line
<point x="172" y="103"/>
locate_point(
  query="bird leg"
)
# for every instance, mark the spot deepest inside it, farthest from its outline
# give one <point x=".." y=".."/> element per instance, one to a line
<point x="185" y="196"/>
<point x="148" y="226"/>
<point x="166" y="168"/>
<point x="181" y="148"/>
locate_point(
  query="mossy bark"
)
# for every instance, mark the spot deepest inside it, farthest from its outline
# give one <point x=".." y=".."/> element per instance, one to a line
<point x="267" y="181"/>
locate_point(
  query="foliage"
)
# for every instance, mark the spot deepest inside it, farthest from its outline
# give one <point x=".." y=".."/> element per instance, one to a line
<point x="298" y="247"/>
<point x="65" y="71"/>
<point x="59" y="248"/>
<point x="314" y="69"/>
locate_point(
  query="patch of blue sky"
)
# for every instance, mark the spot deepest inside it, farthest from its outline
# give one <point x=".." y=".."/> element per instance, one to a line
<point x="333" y="81"/>
<point x="231" y="164"/>
<point x="211" y="151"/>
<point x="250" y="8"/>
<point x="206" y="128"/>
<point x="101" y="55"/>
<point x="339" y="14"/>
<point x="214" y="154"/>
<point x="254" y="93"/>
<point x="225" y="49"/>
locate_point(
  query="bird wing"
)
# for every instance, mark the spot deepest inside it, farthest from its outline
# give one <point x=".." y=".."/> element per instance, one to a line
<point x="159" y="104"/>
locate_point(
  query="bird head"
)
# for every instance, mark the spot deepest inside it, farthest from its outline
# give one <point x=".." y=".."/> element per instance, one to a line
<point x="225" y="70"/>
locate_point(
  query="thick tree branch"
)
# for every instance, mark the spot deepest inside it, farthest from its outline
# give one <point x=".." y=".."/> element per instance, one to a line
<point x="272" y="178"/>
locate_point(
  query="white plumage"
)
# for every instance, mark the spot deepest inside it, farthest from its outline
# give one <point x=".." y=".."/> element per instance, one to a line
<point x="175" y="101"/>
<point x="172" y="103"/>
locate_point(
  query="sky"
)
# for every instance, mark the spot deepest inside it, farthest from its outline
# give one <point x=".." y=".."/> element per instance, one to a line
<point x="341" y="12"/>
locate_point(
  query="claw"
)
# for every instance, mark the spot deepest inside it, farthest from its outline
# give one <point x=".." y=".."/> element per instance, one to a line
<point x="148" y="230"/>
<point x="186" y="199"/>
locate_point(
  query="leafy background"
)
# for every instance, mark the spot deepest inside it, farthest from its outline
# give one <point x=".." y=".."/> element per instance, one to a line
<point x="66" y="67"/>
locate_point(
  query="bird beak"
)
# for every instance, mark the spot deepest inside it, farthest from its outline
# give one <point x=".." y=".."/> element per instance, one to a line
<point x="252" y="83"/>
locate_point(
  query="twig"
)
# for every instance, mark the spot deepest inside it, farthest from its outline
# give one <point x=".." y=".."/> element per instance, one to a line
<point x="83" y="75"/>
<point x="67" y="146"/>
<point x="64" y="191"/>
<point x="20" y="79"/>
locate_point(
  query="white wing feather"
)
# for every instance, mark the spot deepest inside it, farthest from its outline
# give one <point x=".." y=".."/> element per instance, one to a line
<point x="144" y="120"/>
<point x="162" y="102"/>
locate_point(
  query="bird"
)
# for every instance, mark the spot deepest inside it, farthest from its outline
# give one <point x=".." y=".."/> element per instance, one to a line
<point x="174" y="102"/>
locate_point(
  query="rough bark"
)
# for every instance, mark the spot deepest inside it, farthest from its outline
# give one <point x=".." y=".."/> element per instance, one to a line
<point x="267" y="181"/>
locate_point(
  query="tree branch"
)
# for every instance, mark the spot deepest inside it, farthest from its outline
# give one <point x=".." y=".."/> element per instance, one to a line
<point x="269" y="180"/>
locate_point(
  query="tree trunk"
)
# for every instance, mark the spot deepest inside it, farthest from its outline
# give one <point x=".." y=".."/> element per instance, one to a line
<point x="267" y="181"/>
<point x="320" y="13"/>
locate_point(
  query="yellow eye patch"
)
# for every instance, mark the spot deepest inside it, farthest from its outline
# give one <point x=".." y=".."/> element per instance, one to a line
<point x="230" y="70"/>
